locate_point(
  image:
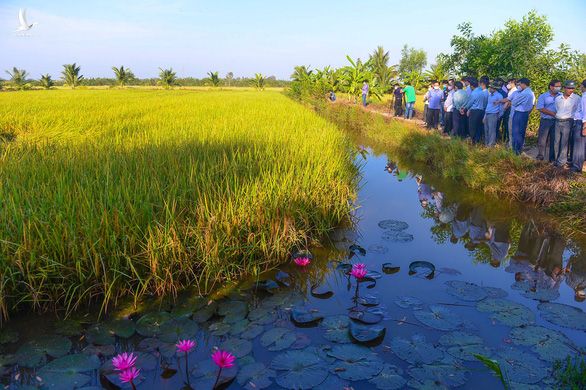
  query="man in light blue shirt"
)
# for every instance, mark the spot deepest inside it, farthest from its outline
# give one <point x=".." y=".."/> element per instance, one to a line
<point x="434" y="98"/>
<point x="580" y="132"/>
<point x="521" y="105"/>
<point x="475" y="107"/>
<point x="459" y="100"/>
<point x="494" y="110"/>
<point x="546" y="133"/>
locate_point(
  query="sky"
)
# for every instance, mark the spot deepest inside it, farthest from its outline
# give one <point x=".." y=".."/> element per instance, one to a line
<point x="245" y="37"/>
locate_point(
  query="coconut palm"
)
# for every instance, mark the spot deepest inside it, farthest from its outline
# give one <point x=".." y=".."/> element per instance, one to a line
<point x="214" y="78"/>
<point x="46" y="81"/>
<point x="229" y="78"/>
<point x="167" y="77"/>
<point x="301" y="73"/>
<point x="70" y="75"/>
<point x="436" y="72"/>
<point x="379" y="65"/>
<point x="18" y="77"/>
<point x="259" y="81"/>
<point x="123" y="75"/>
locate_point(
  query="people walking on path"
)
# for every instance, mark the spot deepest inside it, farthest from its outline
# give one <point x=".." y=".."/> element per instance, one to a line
<point x="566" y="106"/>
<point x="546" y="133"/>
<point x="410" y="97"/>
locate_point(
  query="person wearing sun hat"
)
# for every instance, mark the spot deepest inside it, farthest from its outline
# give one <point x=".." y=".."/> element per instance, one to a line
<point x="566" y="106"/>
<point x="579" y="132"/>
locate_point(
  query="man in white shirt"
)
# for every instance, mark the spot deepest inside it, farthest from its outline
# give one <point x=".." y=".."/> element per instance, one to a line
<point x="566" y="106"/>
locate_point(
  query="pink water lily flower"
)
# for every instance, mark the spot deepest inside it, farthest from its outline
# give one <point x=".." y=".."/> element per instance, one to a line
<point x="359" y="271"/>
<point x="302" y="261"/>
<point x="223" y="359"/>
<point x="185" y="345"/>
<point x="123" y="361"/>
<point x="129" y="375"/>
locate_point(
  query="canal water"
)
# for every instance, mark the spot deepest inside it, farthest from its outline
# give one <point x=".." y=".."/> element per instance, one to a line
<point x="449" y="276"/>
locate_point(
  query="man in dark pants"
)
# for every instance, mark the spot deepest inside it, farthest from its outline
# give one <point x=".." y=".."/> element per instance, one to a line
<point x="566" y="106"/>
<point x="546" y="133"/>
<point x="449" y="108"/>
<point x="398" y="104"/>
<point x="521" y="104"/>
<point x="510" y="88"/>
<point x="580" y="132"/>
<point x="434" y="100"/>
<point x="459" y="119"/>
<point x="475" y="107"/>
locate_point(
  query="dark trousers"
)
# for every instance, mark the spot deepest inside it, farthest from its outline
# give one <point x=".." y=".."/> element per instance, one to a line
<point x="520" y="121"/>
<point x="459" y="124"/>
<point x="545" y="137"/>
<point x="579" y="147"/>
<point x="398" y="107"/>
<point x="571" y="147"/>
<point x="563" y="128"/>
<point x="448" y="122"/>
<point x="505" y="125"/>
<point x="475" y="128"/>
<point x="433" y="118"/>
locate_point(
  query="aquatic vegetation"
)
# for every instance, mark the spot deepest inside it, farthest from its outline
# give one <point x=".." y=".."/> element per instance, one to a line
<point x="302" y="261"/>
<point x="563" y="315"/>
<point x="570" y="373"/>
<point x="359" y="271"/>
<point x="123" y="361"/>
<point x="129" y="376"/>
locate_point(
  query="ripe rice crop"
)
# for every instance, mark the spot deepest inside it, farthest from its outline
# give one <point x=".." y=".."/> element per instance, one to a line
<point x="124" y="192"/>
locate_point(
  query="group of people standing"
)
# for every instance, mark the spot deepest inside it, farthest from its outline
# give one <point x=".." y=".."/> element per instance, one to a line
<point x="483" y="111"/>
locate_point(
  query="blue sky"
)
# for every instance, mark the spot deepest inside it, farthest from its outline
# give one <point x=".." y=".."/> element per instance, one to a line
<point x="251" y="36"/>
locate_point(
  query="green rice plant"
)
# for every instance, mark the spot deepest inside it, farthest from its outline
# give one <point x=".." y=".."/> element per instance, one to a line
<point x="107" y="193"/>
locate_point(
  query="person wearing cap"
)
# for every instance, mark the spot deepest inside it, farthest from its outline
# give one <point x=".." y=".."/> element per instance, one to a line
<point x="521" y="106"/>
<point x="398" y="100"/>
<point x="475" y="107"/>
<point x="449" y="109"/>
<point x="459" y="119"/>
<point x="512" y="90"/>
<point x="410" y="98"/>
<point x="494" y="109"/>
<point x="566" y="106"/>
<point x="434" y="98"/>
<point x="546" y="106"/>
<point x="579" y="131"/>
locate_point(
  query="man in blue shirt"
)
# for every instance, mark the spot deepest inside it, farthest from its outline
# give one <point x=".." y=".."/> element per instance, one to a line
<point x="459" y="100"/>
<point x="521" y="105"/>
<point x="580" y="132"/>
<point x="546" y="133"/>
<point x="434" y="98"/>
<point x="475" y="107"/>
<point x="492" y="114"/>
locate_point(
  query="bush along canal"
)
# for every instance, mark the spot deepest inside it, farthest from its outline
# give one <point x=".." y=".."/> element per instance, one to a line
<point x="425" y="290"/>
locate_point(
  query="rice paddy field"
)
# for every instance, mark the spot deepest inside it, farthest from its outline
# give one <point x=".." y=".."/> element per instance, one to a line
<point x="111" y="193"/>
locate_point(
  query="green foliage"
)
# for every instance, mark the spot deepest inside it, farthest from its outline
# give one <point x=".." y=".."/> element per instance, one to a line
<point x="495" y="367"/>
<point x="436" y="72"/>
<point x="412" y="60"/>
<point x="379" y="65"/>
<point x="71" y="75"/>
<point x="259" y="81"/>
<point x="18" y="78"/>
<point x="123" y="75"/>
<point x="167" y="77"/>
<point x="46" y="81"/>
<point x="229" y="78"/>
<point x="571" y="374"/>
<point x="214" y="78"/>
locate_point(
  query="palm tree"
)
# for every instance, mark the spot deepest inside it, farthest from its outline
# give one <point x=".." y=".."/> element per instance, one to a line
<point x="259" y="81"/>
<point x="214" y="78"/>
<point x="436" y="72"/>
<point x="379" y="65"/>
<point x="18" y="77"/>
<point x="167" y="77"/>
<point x="70" y="75"/>
<point x="229" y="78"/>
<point x="123" y="76"/>
<point x="301" y="73"/>
<point x="46" y="81"/>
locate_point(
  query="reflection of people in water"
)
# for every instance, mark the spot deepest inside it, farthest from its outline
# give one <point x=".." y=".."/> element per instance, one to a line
<point x="461" y="223"/>
<point x="499" y="242"/>
<point x="424" y="192"/>
<point x="576" y="276"/>
<point x="552" y="258"/>
<point x="399" y="173"/>
<point x="530" y="243"/>
<point x="478" y="230"/>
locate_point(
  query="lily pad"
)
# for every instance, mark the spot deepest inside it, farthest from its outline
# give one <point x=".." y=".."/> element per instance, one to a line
<point x="100" y="334"/>
<point x="529" y="290"/>
<point x="344" y="267"/>
<point x="439" y="317"/>
<point x="426" y="385"/>
<point x="369" y="316"/>
<point x="336" y="329"/>
<point x="167" y="350"/>
<point x="389" y="378"/>
<point x="459" y="338"/>
<point x="507" y="312"/>
<point x="205" y="373"/>
<point x="307" y="317"/>
<point x="416" y="351"/>
<point x="465" y="291"/>
<point x="277" y="339"/>
<point x="123" y="328"/>
<point x="266" y="285"/>
<point x="227" y="307"/>
<point x="563" y="315"/>
<point x="390" y="268"/>
<point x="495" y="292"/>
<point x="299" y="370"/>
<point x="368" y="300"/>
<point x="151" y="324"/>
<point x="373" y="275"/>
<point x="219" y="329"/>
<point x="393" y="225"/>
<point x="522" y="366"/>
<point x="63" y="380"/>
<point x="255" y="376"/>
<point x="68" y="327"/>
<point x="333" y="382"/>
<point x="263" y="315"/>
<point x="252" y="331"/>
<point x="422" y="267"/>
<point x="397" y="237"/>
<point x="179" y="329"/>
<point x="357" y="250"/>
<point x="549" y="344"/>
<point x="443" y="373"/>
<point x="239" y="327"/>
<point x="321" y="292"/>
<point x="238" y="347"/>
<point x="205" y="313"/>
<point x="366" y="334"/>
<point x="407" y="302"/>
<point x="354" y="362"/>
<point x="76" y="363"/>
<point x="378" y="249"/>
<point x="33" y="353"/>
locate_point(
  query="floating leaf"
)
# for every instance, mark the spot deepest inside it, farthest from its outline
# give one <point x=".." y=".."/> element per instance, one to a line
<point x="252" y="331"/>
<point x="369" y="316"/>
<point x="277" y="339"/>
<point x="63" y="380"/>
<point x="205" y="374"/>
<point x="549" y="344"/>
<point x="425" y="267"/>
<point x="465" y="291"/>
<point x="416" y="350"/>
<point x="366" y="334"/>
<point x="391" y="224"/>
<point x="239" y="327"/>
<point x="529" y="290"/>
<point x="151" y="324"/>
<point x="168" y="350"/>
<point x="354" y="362"/>
<point x="368" y="300"/>
<point x="333" y="382"/>
<point x="507" y="312"/>
<point x="99" y="350"/>
<point x="32" y="353"/>
<point x="378" y="249"/>
<point x="66" y="327"/>
<point x="389" y="268"/>
<point x="205" y="313"/>
<point x="266" y="285"/>
<point x="282" y="278"/>
<point x="336" y="329"/>
<point x="100" y="334"/>
<point x="389" y="378"/>
<point x="303" y="316"/>
<point x="427" y="384"/>
<point x="443" y="373"/>
<point x="299" y="370"/>
<point x="301" y="341"/>
<point x="344" y="267"/>
<point x="219" y="329"/>
<point x="407" y="302"/>
<point x="563" y="315"/>
<point x="459" y="338"/>
<point x="522" y="366"/>
<point x="255" y="376"/>
<point x="439" y="317"/>
<point x="229" y="307"/>
<point x="495" y="292"/>
<point x="321" y="292"/>
<point x="449" y="271"/>
<point x="76" y="363"/>
<point x="373" y="275"/>
<point x="263" y="315"/>
<point x="179" y="329"/>
<point x="124" y="328"/>
<point x="397" y="237"/>
<point x="238" y="347"/>
<point x="357" y="250"/>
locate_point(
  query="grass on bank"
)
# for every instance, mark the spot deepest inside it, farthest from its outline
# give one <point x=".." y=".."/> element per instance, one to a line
<point x="494" y="171"/>
<point x="110" y="193"/>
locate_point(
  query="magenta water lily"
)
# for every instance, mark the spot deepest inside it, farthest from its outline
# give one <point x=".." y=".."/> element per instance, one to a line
<point x="359" y="271"/>
<point x="129" y="375"/>
<point x="302" y="261"/>
<point x="123" y="361"/>
<point x="185" y="346"/>
<point x="223" y="359"/>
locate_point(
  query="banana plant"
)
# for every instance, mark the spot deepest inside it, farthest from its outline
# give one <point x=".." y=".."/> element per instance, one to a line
<point x="71" y="76"/>
<point x="123" y="75"/>
<point x="259" y="81"/>
<point x="354" y="75"/>
<point x="301" y="73"/>
<point x="214" y="78"/>
<point x="167" y="77"/>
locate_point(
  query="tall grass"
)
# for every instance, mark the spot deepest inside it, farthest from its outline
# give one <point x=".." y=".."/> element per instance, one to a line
<point x="110" y="193"/>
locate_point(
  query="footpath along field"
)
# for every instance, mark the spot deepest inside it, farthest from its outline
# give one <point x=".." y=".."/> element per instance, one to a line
<point x="120" y="192"/>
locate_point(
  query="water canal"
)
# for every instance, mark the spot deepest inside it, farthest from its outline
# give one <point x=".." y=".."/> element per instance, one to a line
<point x="449" y="275"/>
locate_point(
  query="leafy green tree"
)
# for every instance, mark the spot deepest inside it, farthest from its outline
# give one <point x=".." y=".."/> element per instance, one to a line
<point x="18" y="78"/>
<point x="379" y="65"/>
<point x="412" y="60"/>
<point x="301" y="73"/>
<point x="354" y="75"/>
<point x="71" y="75"/>
<point x="259" y="81"/>
<point x="46" y="81"/>
<point x="213" y="78"/>
<point x="229" y="78"/>
<point x="123" y="75"/>
<point x="436" y="72"/>
<point x="167" y="77"/>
